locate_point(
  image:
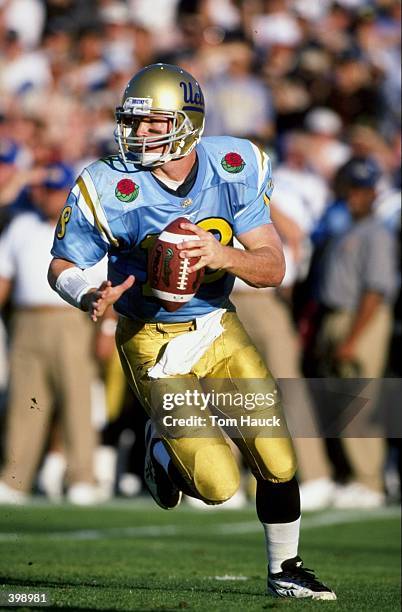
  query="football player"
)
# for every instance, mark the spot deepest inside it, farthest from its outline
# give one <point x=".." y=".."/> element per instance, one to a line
<point x="118" y="205"/>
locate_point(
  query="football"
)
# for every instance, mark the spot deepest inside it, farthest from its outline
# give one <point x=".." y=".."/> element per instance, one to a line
<point x="171" y="282"/>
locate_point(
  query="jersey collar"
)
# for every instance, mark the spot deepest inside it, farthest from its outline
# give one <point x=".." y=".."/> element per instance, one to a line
<point x="197" y="180"/>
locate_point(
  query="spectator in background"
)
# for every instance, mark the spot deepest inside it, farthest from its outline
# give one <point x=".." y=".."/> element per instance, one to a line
<point x="161" y="24"/>
<point x="21" y="69"/>
<point x="51" y="365"/>
<point x="14" y="180"/>
<point x="277" y="35"/>
<point x="337" y="217"/>
<point x="238" y="89"/>
<point x="333" y="27"/>
<point x="326" y="152"/>
<point x="23" y="154"/>
<point x="72" y="15"/>
<point x="8" y="168"/>
<point x="295" y="173"/>
<point x="357" y="288"/>
<point x="275" y="24"/>
<point x="91" y="70"/>
<point x="314" y="71"/>
<point x="355" y="91"/>
<point x="30" y="28"/>
<point x="118" y="40"/>
<point x="380" y="42"/>
<point x="366" y="141"/>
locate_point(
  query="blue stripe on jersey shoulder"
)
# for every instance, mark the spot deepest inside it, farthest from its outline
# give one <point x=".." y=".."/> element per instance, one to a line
<point x="116" y="163"/>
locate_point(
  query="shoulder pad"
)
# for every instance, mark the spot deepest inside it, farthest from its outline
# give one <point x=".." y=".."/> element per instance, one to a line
<point x="112" y="164"/>
<point x="235" y="159"/>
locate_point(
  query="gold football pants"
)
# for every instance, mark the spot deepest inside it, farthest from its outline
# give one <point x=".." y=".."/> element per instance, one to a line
<point x="199" y="450"/>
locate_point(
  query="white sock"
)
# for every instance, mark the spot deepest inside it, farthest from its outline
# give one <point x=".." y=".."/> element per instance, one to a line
<point x="161" y="455"/>
<point x="282" y="540"/>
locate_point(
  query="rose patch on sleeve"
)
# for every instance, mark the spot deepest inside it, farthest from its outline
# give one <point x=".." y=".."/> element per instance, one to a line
<point x="233" y="162"/>
<point x="126" y="190"/>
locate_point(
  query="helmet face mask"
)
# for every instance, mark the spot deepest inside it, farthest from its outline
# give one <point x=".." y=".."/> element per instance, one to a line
<point x="171" y="94"/>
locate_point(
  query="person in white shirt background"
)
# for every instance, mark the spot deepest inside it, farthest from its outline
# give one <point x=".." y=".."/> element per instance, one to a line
<point x="51" y="366"/>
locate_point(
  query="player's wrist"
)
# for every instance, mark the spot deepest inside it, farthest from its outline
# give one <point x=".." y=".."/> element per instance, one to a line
<point x="85" y="300"/>
<point x="228" y="261"/>
<point x="233" y="260"/>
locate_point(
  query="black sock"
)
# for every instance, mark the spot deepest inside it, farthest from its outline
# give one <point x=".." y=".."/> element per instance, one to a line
<point x="278" y="502"/>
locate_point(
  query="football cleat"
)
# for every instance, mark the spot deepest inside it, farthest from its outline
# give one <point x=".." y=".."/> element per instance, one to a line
<point x="297" y="581"/>
<point x="161" y="487"/>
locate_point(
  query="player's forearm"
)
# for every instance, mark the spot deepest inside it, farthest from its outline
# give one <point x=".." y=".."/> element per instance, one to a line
<point x="69" y="282"/>
<point x="262" y="267"/>
<point x="57" y="266"/>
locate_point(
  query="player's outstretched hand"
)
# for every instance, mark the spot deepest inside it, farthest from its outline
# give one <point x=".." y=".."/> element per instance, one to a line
<point x="96" y="302"/>
<point x="210" y="251"/>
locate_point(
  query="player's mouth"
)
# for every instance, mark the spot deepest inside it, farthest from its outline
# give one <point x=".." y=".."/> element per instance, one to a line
<point x="149" y="143"/>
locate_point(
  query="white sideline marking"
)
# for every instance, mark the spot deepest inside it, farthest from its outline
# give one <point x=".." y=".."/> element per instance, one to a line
<point x="228" y="577"/>
<point x="332" y="517"/>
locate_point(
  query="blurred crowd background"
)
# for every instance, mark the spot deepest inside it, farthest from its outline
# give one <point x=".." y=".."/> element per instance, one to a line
<point x="316" y="84"/>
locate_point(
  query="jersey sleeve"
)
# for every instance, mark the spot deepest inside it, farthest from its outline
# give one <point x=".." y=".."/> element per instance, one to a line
<point x="252" y="200"/>
<point x="79" y="237"/>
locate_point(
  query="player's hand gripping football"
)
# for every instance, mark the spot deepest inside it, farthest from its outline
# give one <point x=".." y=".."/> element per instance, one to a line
<point x="96" y="302"/>
<point x="211" y="252"/>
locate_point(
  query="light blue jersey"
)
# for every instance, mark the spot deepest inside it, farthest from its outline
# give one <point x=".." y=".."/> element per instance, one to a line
<point x="118" y="209"/>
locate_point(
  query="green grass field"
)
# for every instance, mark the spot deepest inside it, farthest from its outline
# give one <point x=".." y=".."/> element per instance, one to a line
<point x="133" y="556"/>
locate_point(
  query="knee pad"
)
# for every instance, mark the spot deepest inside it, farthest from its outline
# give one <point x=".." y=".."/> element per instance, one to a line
<point x="276" y="458"/>
<point x="216" y="475"/>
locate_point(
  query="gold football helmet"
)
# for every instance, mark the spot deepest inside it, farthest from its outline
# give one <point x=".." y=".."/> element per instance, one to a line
<point x="168" y="92"/>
